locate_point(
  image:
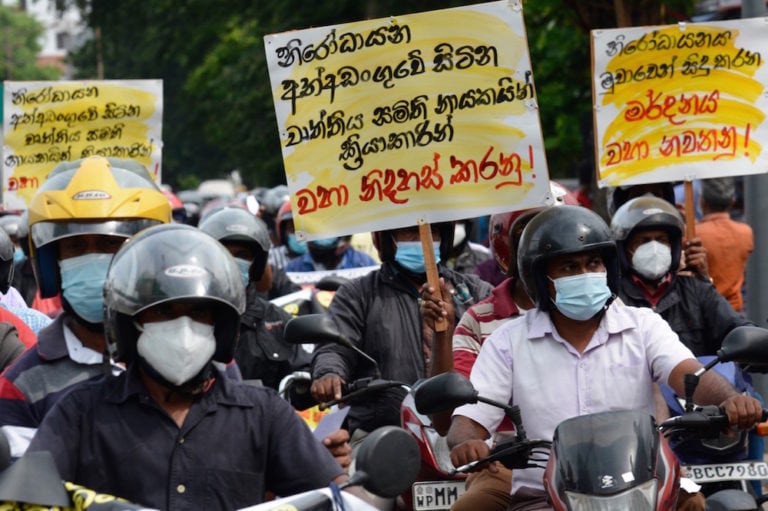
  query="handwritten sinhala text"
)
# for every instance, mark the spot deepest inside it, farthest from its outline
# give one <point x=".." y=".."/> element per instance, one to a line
<point x="396" y="186"/>
<point x="446" y="58"/>
<point x="724" y="142"/>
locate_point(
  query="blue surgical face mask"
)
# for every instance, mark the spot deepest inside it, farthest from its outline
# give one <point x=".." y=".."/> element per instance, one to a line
<point x="18" y="255"/>
<point x="410" y="255"/>
<point x="580" y="297"/>
<point x="245" y="268"/>
<point x="296" y="246"/>
<point x="82" y="284"/>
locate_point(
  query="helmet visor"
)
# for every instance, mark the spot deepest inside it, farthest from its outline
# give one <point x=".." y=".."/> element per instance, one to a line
<point x="47" y="232"/>
<point x="185" y="264"/>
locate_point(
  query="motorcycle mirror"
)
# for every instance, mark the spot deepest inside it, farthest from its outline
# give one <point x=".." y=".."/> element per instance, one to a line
<point x="330" y="283"/>
<point x="443" y="392"/>
<point x="387" y="462"/>
<point x="314" y="328"/>
<point x="745" y="344"/>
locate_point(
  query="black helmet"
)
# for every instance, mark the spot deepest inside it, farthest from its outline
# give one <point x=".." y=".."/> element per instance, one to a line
<point x="237" y="224"/>
<point x="167" y="263"/>
<point x="618" y="196"/>
<point x="557" y="231"/>
<point x="7" y="249"/>
<point x="647" y="213"/>
<point x="384" y="241"/>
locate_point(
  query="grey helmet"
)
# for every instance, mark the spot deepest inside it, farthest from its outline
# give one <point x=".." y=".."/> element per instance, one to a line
<point x="168" y="263"/>
<point x="238" y="224"/>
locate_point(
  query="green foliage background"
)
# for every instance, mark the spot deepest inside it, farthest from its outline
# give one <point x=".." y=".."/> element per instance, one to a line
<point x="219" y="114"/>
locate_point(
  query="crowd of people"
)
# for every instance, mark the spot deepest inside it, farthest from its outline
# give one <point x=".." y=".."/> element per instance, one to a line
<point x="140" y="346"/>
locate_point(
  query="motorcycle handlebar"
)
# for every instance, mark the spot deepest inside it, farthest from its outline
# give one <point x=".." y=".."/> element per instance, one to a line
<point x="701" y="419"/>
<point x="512" y="454"/>
<point x="360" y="388"/>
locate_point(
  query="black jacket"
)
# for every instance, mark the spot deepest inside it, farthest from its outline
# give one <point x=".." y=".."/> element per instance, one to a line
<point x="379" y="313"/>
<point x="693" y="308"/>
<point x="261" y="352"/>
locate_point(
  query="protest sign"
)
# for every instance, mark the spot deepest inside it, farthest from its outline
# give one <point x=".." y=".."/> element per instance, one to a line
<point x="418" y="118"/>
<point x="680" y="102"/>
<point x="45" y="123"/>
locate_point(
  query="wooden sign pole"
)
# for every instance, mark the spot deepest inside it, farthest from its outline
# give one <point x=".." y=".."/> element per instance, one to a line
<point x="690" y="214"/>
<point x="425" y="233"/>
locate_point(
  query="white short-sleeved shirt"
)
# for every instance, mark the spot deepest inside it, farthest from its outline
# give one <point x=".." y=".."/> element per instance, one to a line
<point x="527" y="363"/>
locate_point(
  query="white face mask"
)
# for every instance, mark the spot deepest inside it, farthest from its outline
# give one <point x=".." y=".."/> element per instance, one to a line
<point x="652" y="260"/>
<point x="177" y="349"/>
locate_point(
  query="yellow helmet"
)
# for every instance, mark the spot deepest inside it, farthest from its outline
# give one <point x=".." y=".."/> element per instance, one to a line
<point x="94" y="195"/>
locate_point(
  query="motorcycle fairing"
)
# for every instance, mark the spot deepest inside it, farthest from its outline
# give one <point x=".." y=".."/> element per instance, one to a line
<point x="611" y="457"/>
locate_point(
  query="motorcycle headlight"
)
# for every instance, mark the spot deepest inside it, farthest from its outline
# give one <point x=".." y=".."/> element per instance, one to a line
<point x="639" y="498"/>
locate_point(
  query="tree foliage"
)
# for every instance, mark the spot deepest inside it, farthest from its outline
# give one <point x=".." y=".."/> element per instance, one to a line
<point x="19" y="34"/>
<point x="219" y="114"/>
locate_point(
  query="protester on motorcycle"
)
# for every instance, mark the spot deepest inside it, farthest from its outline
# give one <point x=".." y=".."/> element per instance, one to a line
<point x="579" y="351"/>
<point x="457" y="349"/>
<point x="485" y="489"/>
<point x="78" y="219"/>
<point x="261" y="352"/>
<point x="274" y="282"/>
<point x="380" y="314"/>
<point x="335" y="253"/>
<point x="287" y="246"/>
<point x="173" y="301"/>
<point x="648" y="233"/>
<point x="693" y="262"/>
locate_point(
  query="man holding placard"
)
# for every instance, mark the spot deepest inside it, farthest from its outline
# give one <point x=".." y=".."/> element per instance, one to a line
<point x="380" y="313"/>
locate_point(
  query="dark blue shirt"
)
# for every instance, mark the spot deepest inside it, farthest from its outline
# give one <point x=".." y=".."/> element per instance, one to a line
<point x="350" y="259"/>
<point x="236" y="442"/>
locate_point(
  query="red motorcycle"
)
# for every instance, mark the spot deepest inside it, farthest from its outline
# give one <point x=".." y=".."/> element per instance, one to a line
<point x="437" y="485"/>
<point x="610" y="460"/>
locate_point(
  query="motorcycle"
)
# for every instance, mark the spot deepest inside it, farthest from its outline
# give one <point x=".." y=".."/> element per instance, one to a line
<point x="436" y="486"/>
<point x="723" y="461"/>
<point x="385" y="465"/>
<point x="615" y="459"/>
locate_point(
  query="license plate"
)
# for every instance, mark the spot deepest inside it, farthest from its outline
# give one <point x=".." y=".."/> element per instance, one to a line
<point x="436" y="495"/>
<point x="751" y="470"/>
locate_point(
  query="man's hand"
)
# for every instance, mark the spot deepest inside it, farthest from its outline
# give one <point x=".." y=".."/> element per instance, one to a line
<point x="338" y="445"/>
<point x="743" y="411"/>
<point x="436" y="307"/>
<point x="472" y="450"/>
<point x="327" y="388"/>
<point x="695" y="258"/>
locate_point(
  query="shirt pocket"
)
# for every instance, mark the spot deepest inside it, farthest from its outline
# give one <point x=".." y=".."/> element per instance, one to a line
<point x="625" y="386"/>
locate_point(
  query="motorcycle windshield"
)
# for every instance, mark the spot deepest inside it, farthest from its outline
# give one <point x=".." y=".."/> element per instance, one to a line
<point x="605" y="453"/>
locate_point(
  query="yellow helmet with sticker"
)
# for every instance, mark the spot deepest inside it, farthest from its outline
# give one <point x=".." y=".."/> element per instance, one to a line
<point x="94" y="195"/>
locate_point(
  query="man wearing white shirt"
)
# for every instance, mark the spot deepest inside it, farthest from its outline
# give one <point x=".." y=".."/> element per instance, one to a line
<point x="578" y="352"/>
